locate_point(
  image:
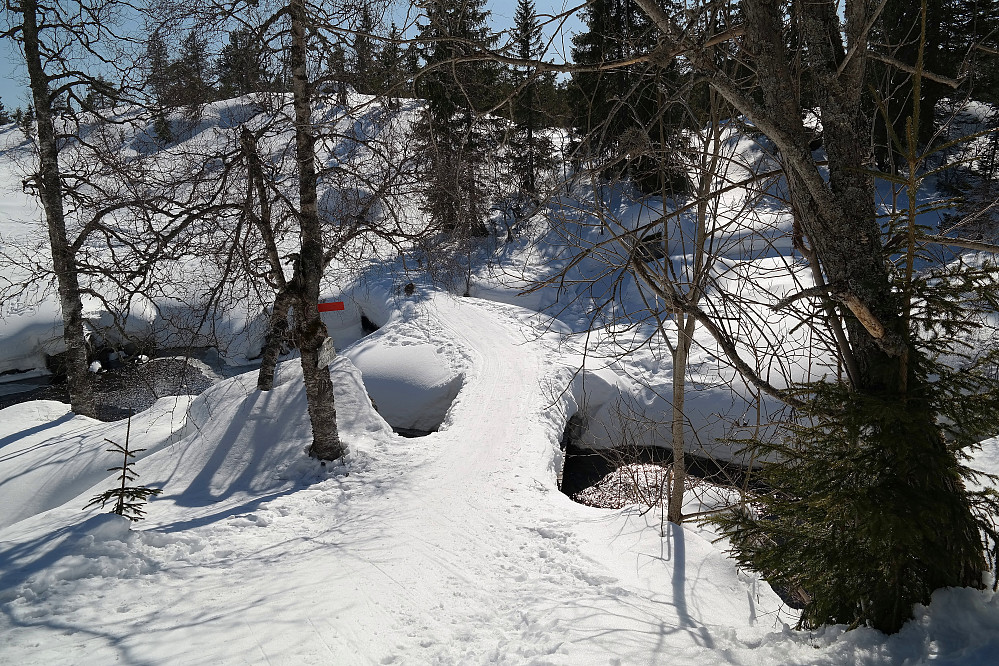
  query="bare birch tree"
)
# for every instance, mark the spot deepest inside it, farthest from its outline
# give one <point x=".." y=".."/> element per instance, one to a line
<point x="68" y="51"/>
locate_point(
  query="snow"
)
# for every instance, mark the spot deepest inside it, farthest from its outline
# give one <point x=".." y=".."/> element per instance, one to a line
<point x="39" y="437"/>
<point x="453" y="548"/>
<point x="411" y="385"/>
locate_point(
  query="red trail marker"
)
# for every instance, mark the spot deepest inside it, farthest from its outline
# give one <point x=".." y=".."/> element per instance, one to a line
<point x="331" y="307"/>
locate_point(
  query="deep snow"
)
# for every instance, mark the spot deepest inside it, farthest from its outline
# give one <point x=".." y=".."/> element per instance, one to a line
<point x="452" y="548"/>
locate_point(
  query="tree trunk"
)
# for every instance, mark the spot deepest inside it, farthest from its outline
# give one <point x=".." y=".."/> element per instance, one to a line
<point x="49" y="184"/>
<point x="309" y="335"/>
<point x="277" y="328"/>
<point x="277" y="324"/>
<point x="845" y="232"/>
<point x="685" y="325"/>
<point x="685" y="334"/>
<point x="309" y="328"/>
<point x="929" y="508"/>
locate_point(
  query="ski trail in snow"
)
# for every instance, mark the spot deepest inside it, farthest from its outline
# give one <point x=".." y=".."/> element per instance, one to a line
<point x="473" y="484"/>
<point x="493" y="424"/>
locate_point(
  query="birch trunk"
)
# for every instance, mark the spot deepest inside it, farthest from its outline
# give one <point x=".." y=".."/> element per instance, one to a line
<point x="49" y="183"/>
<point x="685" y="334"/>
<point x="309" y="328"/>
<point x="277" y="328"/>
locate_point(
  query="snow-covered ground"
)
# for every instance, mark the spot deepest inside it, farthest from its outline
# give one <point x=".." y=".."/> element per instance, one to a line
<point x="453" y="548"/>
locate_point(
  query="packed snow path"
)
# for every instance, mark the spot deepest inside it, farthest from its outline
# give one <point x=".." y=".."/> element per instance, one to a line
<point x="455" y="548"/>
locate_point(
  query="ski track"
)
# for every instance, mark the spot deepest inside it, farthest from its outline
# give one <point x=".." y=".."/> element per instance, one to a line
<point x="453" y="548"/>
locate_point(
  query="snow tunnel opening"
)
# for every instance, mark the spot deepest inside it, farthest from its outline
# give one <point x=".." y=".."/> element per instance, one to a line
<point x="412" y="433"/>
<point x="412" y="386"/>
<point x="615" y="477"/>
<point x="607" y="464"/>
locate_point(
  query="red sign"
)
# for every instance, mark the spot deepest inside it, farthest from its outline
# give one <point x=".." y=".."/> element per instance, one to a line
<point x="331" y="307"/>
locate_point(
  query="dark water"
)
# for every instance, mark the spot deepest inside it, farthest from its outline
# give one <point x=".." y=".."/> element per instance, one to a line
<point x="130" y="387"/>
<point x="584" y="468"/>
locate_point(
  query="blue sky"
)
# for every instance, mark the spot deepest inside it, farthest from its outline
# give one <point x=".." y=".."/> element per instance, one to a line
<point x="13" y="85"/>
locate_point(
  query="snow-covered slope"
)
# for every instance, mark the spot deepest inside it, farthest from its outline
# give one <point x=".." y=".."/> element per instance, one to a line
<point x="455" y="548"/>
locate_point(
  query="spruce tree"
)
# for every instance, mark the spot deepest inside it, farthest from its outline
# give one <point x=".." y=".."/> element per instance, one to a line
<point x="158" y="69"/>
<point x="864" y="499"/>
<point x="616" y="30"/>
<point x="129" y="501"/>
<point x="454" y="138"/>
<point x="192" y="72"/>
<point x="389" y="68"/>
<point x="338" y="72"/>
<point x="101" y="94"/>
<point x="364" y="52"/>
<point x="242" y="65"/>
<point x="623" y="113"/>
<point x="960" y="42"/>
<point x="531" y="150"/>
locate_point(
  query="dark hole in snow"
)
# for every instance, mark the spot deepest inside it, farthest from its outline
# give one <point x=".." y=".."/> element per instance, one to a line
<point x="412" y="432"/>
<point x="588" y="473"/>
<point x="367" y="325"/>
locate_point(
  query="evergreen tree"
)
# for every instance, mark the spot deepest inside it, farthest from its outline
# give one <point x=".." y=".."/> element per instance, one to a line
<point x="531" y="151"/>
<point x="337" y="72"/>
<point x="158" y="68"/>
<point x="389" y="66"/>
<point x="623" y="113"/>
<point x="616" y="30"/>
<point x="868" y="511"/>
<point x="961" y="41"/>
<point x="100" y="95"/>
<point x="454" y="139"/>
<point x="364" y="52"/>
<point x="129" y="501"/>
<point x="861" y="486"/>
<point x="5" y="117"/>
<point x="242" y="65"/>
<point x="26" y="120"/>
<point x="411" y="63"/>
<point x="191" y="74"/>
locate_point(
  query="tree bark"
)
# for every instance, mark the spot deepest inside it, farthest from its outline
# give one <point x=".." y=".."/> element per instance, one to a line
<point x="309" y="328"/>
<point x="49" y="183"/>
<point x="838" y="215"/>
<point x="277" y="328"/>
<point x="685" y="336"/>
<point x="277" y="324"/>
<point x="847" y="239"/>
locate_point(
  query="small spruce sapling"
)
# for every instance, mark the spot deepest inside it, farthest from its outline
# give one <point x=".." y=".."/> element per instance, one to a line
<point x="128" y="500"/>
